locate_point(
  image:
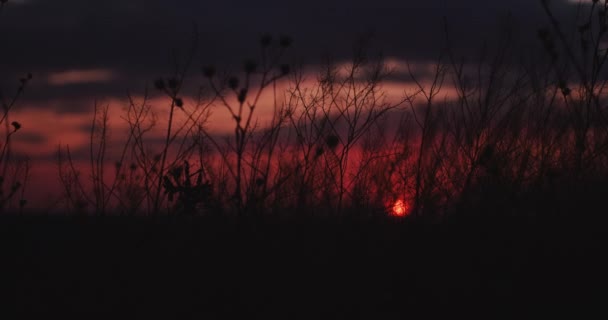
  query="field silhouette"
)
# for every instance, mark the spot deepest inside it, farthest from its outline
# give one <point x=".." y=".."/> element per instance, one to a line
<point x="478" y="189"/>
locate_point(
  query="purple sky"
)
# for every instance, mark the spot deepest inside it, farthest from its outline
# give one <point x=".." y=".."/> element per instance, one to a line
<point x="134" y="39"/>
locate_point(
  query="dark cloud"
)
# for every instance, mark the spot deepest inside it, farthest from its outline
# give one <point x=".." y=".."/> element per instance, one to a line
<point x="135" y="38"/>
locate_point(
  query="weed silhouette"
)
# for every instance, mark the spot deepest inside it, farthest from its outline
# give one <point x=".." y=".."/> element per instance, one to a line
<point x="494" y="171"/>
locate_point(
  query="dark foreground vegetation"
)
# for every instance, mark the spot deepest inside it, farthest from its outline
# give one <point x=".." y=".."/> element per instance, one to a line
<point x="302" y="268"/>
<point x="504" y="181"/>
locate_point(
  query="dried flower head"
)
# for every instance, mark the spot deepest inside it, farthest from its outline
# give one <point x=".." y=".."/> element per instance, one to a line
<point x="285" y="41"/>
<point x="159" y="84"/>
<point x="173" y="83"/>
<point x="259" y="182"/>
<point x="242" y="95"/>
<point x="209" y="71"/>
<point x="179" y="102"/>
<point x="233" y="83"/>
<point x="16" y="125"/>
<point x="319" y="152"/>
<point x="266" y="40"/>
<point x="284" y="69"/>
<point x="332" y="141"/>
<point x="250" y="66"/>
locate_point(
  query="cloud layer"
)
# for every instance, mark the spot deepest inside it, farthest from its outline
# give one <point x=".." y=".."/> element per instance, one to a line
<point x="132" y="41"/>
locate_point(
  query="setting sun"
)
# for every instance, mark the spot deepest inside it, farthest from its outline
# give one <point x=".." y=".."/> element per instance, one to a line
<point x="400" y="208"/>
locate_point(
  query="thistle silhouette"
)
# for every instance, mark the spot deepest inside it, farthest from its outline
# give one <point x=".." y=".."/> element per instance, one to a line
<point x="188" y="196"/>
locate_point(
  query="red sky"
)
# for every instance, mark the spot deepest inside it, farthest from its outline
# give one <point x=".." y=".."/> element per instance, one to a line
<point x="81" y="52"/>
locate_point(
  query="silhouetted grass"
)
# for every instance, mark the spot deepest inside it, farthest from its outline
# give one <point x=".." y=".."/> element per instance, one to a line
<point x="506" y="184"/>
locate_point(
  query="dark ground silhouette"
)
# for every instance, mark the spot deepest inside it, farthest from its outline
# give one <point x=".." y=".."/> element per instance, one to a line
<point x="301" y="268"/>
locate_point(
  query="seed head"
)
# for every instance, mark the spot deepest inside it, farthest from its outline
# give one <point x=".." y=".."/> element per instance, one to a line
<point x="319" y="151"/>
<point x="173" y="83"/>
<point x="250" y="66"/>
<point x="259" y="182"/>
<point x="242" y="95"/>
<point x="332" y="141"/>
<point x="209" y="71"/>
<point x="179" y="102"/>
<point x="159" y="84"/>
<point x="233" y="83"/>
<point x="285" y="41"/>
<point x="265" y="40"/>
<point x="16" y="125"/>
<point x="284" y="69"/>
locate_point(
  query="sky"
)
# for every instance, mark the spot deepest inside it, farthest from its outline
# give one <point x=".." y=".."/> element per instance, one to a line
<point x="122" y="44"/>
<point x="82" y="51"/>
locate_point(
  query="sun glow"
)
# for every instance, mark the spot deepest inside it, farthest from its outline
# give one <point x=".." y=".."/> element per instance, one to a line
<point x="400" y="208"/>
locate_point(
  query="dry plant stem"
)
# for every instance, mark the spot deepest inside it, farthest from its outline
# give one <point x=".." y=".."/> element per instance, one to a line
<point x="173" y="93"/>
<point x="243" y="132"/>
<point x="130" y="137"/>
<point x="7" y="107"/>
<point x="138" y="130"/>
<point x="97" y="157"/>
<point x="26" y="176"/>
<point x="424" y="126"/>
<point x="591" y="88"/>
<point x="5" y="153"/>
<point x="505" y="131"/>
<point x="157" y="197"/>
